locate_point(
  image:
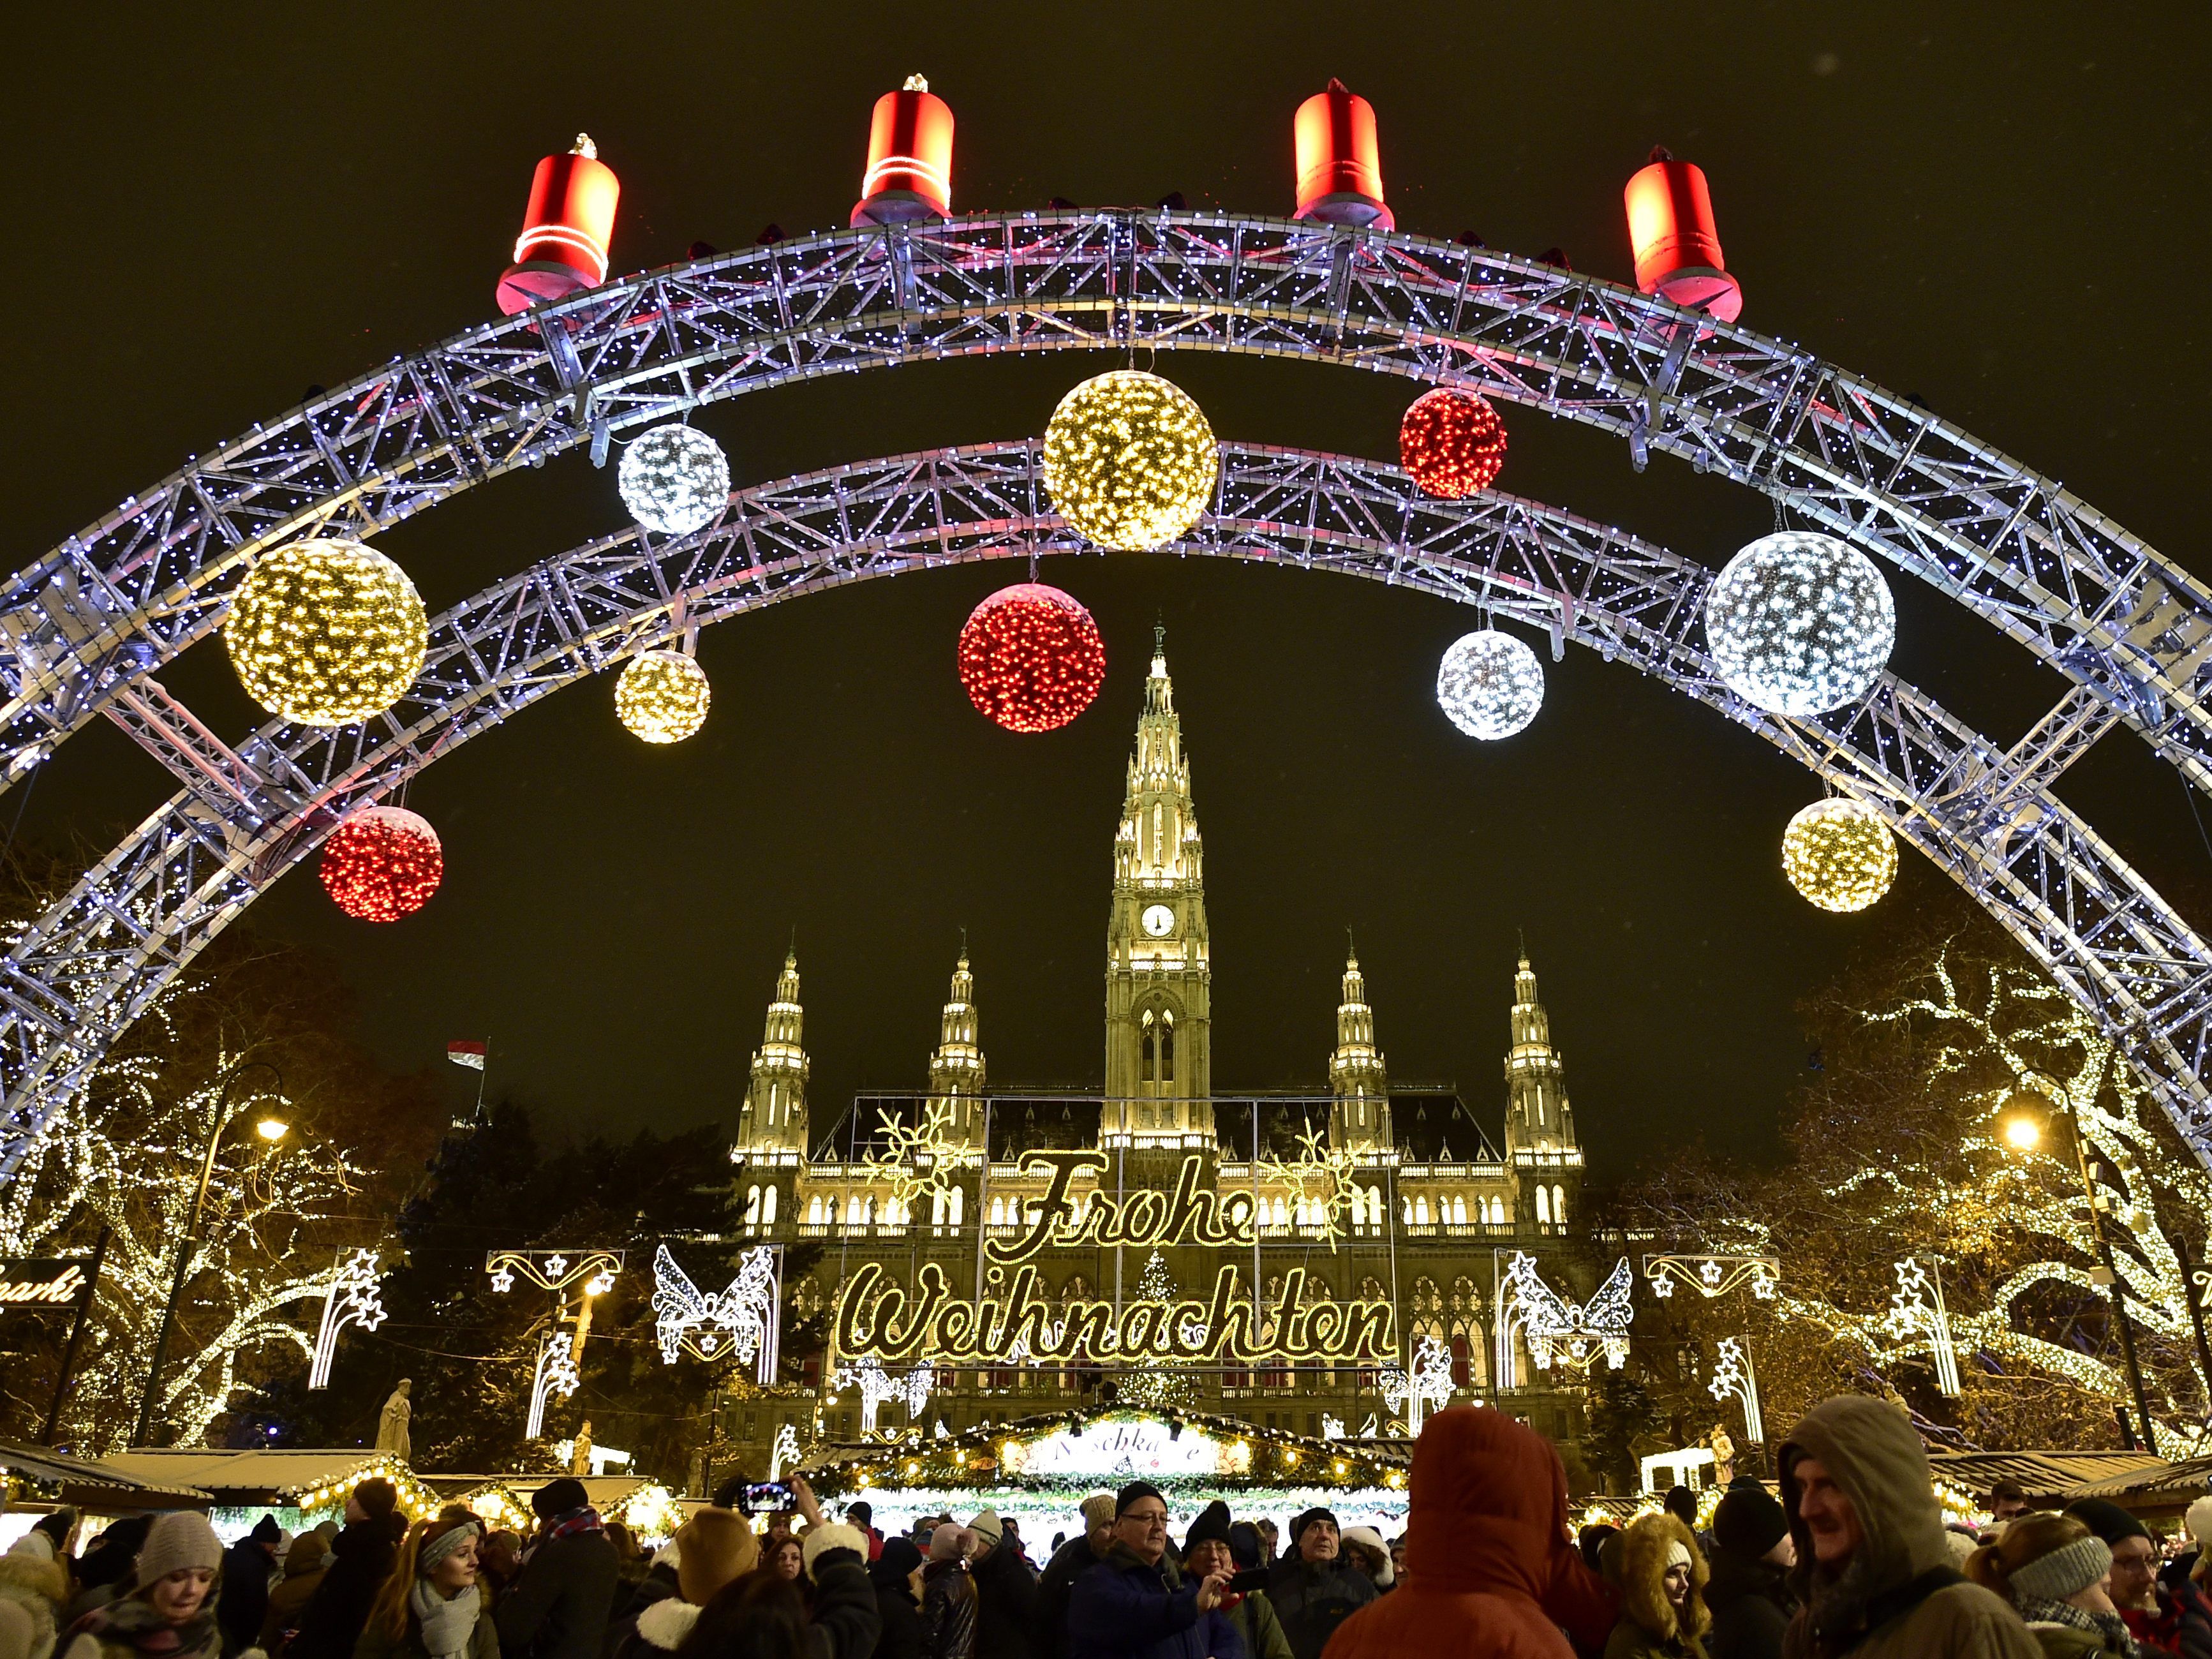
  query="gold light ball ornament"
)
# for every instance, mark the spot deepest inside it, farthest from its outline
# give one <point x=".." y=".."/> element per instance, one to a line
<point x="327" y="632"/>
<point x="663" y="695"/>
<point x="1129" y="460"/>
<point x="1839" y="855"/>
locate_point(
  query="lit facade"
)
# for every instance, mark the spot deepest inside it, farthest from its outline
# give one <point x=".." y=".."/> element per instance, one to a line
<point x="1372" y="1195"/>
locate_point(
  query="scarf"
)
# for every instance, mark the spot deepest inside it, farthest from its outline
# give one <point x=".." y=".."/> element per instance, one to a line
<point x="2035" y="1610"/>
<point x="576" y="1521"/>
<point x="132" y="1622"/>
<point x="446" y="1626"/>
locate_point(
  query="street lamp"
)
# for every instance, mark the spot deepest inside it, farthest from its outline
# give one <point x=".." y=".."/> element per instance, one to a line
<point x="271" y="1129"/>
<point x="2023" y="1132"/>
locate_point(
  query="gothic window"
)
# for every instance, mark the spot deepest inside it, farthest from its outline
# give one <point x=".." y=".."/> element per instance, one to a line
<point x="1150" y="1071"/>
<point x="1427" y="1298"/>
<point x="998" y="1212"/>
<point x="1459" y="1357"/>
<point x="937" y="1208"/>
<point x="1543" y="1205"/>
<point x="1375" y="1207"/>
<point x="1421" y="1211"/>
<point x="814" y="1211"/>
<point x="1464" y="1294"/>
<point x="1167" y="1048"/>
<point x="1282" y="1213"/>
<point x="768" y="1207"/>
<point x="752" y="1207"/>
<point x="1459" y="1213"/>
<point x="953" y="1205"/>
<point x="1559" y="1204"/>
<point x="1498" y="1210"/>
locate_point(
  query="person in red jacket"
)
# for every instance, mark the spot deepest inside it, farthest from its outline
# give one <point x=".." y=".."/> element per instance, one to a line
<point x="1489" y="1571"/>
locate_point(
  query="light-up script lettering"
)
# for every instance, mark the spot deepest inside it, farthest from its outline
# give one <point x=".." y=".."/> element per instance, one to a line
<point x="1144" y="1219"/>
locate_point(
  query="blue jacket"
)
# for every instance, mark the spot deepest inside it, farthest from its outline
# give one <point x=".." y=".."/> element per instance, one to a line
<point x="1124" y="1610"/>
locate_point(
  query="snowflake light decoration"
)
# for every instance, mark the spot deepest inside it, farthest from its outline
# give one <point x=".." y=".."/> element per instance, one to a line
<point x="674" y="479"/>
<point x="1129" y="460"/>
<point x="1839" y="855"/>
<point x="1321" y="1178"/>
<point x="1799" y="623"/>
<point x="327" y="633"/>
<point x="1490" y="685"/>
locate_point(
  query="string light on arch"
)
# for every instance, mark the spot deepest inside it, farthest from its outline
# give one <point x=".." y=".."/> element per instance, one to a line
<point x="382" y="863"/>
<point x="1452" y="442"/>
<point x="327" y="632"/>
<point x="1129" y="460"/>
<point x="1490" y="685"/>
<point x="1030" y="658"/>
<point x="1799" y="623"/>
<point x="663" y="695"/>
<point x="1839" y="855"/>
<point x="674" y="479"/>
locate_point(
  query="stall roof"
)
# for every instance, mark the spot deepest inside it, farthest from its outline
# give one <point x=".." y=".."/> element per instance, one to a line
<point x="2049" y="1478"/>
<point x="96" y="1484"/>
<point x="256" y="1475"/>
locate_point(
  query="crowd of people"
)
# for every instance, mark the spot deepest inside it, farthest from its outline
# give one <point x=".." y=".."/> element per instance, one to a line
<point x="1853" y="1558"/>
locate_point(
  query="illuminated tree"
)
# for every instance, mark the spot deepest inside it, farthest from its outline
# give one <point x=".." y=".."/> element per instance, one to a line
<point x="1161" y="1384"/>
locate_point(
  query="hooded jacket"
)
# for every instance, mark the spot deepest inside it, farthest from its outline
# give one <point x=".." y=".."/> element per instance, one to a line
<point x="1127" y="1609"/>
<point x="1650" y="1627"/>
<point x="1489" y="1572"/>
<point x="1897" y="1597"/>
<point x="897" y="1611"/>
<point x="1751" y="1607"/>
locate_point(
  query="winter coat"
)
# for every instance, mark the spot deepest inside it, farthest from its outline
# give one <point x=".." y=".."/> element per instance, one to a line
<point x="484" y="1641"/>
<point x="844" y="1622"/>
<point x="897" y="1614"/>
<point x="1489" y="1571"/>
<point x="1899" y="1597"/>
<point x="364" y="1553"/>
<point x="1312" y="1598"/>
<point x="1751" y="1607"/>
<point x="2071" y="1642"/>
<point x="287" y="1603"/>
<point x="558" y="1608"/>
<point x="115" y="1631"/>
<point x="1651" y="1626"/>
<point x="33" y="1588"/>
<point x="949" y="1611"/>
<point x="1125" y="1608"/>
<point x="1006" y="1605"/>
<point x="2180" y="1624"/>
<point x="246" y="1567"/>
<point x="1048" y="1627"/>
<point x="658" y="1630"/>
<point x="1254" y="1619"/>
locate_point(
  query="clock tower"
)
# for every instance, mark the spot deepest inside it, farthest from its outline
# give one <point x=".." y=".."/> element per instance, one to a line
<point x="1160" y="1071"/>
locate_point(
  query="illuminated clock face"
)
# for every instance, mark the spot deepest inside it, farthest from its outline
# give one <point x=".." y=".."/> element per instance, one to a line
<point x="1159" y="921"/>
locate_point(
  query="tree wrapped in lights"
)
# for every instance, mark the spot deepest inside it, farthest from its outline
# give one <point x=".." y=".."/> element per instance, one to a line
<point x="382" y="863"/>
<point x="1166" y="1387"/>
<point x="1490" y="685"/>
<point x="326" y="633"/>
<point x="674" y="479"/>
<point x="1839" y="855"/>
<point x="1938" y="1129"/>
<point x="1129" y="460"/>
<point x="662" y="697"/>
<point x="1799" y="623"/>
<point x="1030" y="658"/>
<point x="1452" y="442"/>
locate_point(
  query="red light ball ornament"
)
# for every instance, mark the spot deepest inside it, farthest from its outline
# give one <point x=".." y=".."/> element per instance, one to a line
<point x="383" y="863"/>
<point x="1030" y="658"/>
<point x="1452" y="442"/>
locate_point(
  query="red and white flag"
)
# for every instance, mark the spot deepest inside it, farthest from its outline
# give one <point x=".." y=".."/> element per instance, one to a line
<point x="466" y="1052"/>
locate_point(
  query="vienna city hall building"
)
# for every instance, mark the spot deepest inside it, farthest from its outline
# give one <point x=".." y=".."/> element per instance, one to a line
<point x="1274" y="1258"/>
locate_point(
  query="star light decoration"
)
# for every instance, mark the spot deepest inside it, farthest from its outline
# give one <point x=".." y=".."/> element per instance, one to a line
<point x="1713" y="1275"/>
<point x="1839" y="855"/>
<point x="352" y="1300"/>
<point x="327" y="633"/>
<point x="1558" y="1329"/>
<point x="1732" y="1375"/>
<point x="662" y="697"/>
<point x="555" y="1374"/>
<point x="1452" y="443"/>
<point x="1799" y="623"/>
<point x="674" y="479"/>
<point x="1490" y="685"/>
<point x="1030" y="658"/>
<point x="1129" y="460"/>
<point x="785" y="1452"/>
<point x="382" y="863"/>
<point x="1915" y="1308"/>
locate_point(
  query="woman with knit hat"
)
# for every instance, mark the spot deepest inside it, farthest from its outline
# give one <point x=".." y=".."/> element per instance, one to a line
<point x="1663" y="1583"/>
<point x="713" y="1548"/>
<point x="1748" y="1594"/>
<point x="1207" y="1549"/>
<point x="169" y="1611"/>
<point x="2059" y="1574"/>
<point x="948" y="1608"/>
<point x="430" y="1607"/>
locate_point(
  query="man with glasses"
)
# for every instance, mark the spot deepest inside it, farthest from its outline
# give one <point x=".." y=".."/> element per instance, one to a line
<point x="2169" y="1619"/>
<point x="1138" y="1603"/>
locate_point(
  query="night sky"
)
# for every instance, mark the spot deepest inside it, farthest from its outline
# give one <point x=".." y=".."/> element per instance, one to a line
<point x="2000" y="209"/>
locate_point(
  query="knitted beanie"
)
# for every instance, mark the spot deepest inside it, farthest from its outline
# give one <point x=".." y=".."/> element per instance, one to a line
<point x="987" y="1527"/>
<point x="831" y="1535"/>
<point x="179" y="1539"/>
<point x="2066" y="1571"/>
<point x="2199" y="1521"/>
<point x="1135" y="1493"/>
<point x="1098" y="1509"/>
<point x="2106" y="1519"/>
<point x="1750" y="1522"/>
<point x="951" y="1542"/>
<point x="377" y="1496"/>
<point x="712" y="1548"/>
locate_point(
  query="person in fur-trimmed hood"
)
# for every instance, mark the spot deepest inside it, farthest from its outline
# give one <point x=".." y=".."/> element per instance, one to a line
<point x="34" y="1586"/>
<point x="1662" y="1592"/>
<point x="713" y="1548"/>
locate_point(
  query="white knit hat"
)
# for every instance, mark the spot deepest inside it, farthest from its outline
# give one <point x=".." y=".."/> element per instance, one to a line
<point x="177" y="1540"/>
<point x="2199" y="1521"/>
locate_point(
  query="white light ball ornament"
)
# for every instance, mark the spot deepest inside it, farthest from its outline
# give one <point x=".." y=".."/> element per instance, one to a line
<point x="1799" y="623"/>
<point x="1490" y="685"/>
<point x="674" y="479"/>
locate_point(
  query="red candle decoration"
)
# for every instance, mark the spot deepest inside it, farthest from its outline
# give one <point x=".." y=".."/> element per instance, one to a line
<point x="1452" y="442"/>
<point x="1030" y="658"/>
<point x="382" y="863"/>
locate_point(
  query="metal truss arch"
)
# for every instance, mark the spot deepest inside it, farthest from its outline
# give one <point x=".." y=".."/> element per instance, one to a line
<point x="76" y="978"/>
<point x="81" y="627"/>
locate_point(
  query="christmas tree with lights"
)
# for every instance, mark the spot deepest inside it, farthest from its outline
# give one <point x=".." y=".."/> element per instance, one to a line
<point x="1159" y="1386"/>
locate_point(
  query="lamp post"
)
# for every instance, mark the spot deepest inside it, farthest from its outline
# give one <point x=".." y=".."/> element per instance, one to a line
<point x="271" y="1130"/>
<point x="2020" y="1134"/>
